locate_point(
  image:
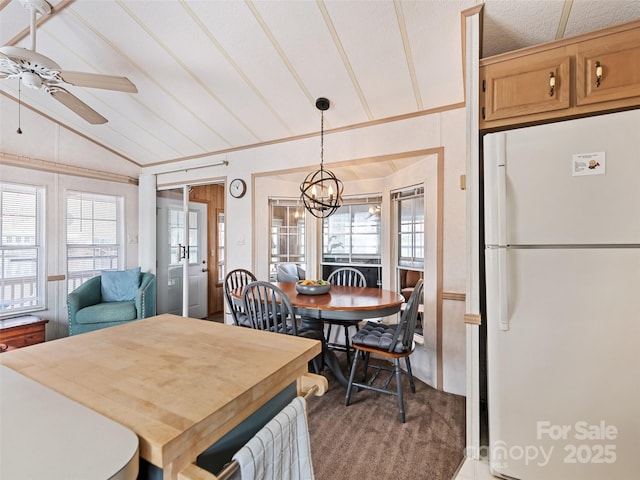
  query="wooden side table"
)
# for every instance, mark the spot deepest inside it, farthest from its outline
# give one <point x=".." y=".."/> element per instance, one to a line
<point x="22" y="331"/>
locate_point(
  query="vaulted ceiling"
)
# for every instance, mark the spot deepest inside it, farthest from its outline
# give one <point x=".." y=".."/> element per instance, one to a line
<point x="213" y="76"/>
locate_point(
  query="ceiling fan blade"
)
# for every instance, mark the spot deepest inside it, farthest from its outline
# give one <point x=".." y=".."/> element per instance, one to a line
<point x="8" y="67"/>
<point x="96" y="80"/>
<point x="77" y="106"/>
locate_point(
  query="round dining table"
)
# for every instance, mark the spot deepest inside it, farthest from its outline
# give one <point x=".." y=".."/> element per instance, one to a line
<point x="340" y="303"/>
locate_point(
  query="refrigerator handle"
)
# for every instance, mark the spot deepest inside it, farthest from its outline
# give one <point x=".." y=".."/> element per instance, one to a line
<point x="495" y="158"/>
<point x="503" y="297"/>
<point x="501" y="188"/>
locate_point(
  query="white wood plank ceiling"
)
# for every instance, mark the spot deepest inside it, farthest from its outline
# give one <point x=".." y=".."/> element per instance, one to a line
<point x="219" y="75"/>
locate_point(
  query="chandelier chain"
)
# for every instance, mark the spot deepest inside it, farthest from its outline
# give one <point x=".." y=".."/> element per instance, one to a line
<point x="321" y="139"/>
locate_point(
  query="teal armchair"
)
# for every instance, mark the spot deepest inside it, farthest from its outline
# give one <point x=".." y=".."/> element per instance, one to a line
<point x="88" y="312"/>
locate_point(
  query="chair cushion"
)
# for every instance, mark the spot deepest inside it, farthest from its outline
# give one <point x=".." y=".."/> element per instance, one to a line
<point x="107" y="312"/>
<point x="286" y="329"/>
<point x="310" y="333"/>
<point x="378" y="336"/>
<point x="243" y="319"/>
<point x="119" y="285"/>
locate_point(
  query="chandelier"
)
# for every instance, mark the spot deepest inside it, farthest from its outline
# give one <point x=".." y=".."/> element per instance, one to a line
<point x="321" y="191"/>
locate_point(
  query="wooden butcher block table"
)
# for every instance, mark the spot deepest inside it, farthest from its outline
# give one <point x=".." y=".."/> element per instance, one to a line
<point x="179" y="383"/>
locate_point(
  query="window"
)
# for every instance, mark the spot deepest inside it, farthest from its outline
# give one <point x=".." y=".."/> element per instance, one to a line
<point x="221" y="269"/>
<point x="178" y="248"/>
<point x="287" y="233"/>
<point x="352" y="237"/>
<point x="22" y="276"/>
<point x="352" y="234"/>
<point x="410" y="205"/>
<point x="94" y="235"/>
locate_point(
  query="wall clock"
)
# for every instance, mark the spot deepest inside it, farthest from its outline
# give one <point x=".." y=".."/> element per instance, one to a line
<point x="237" y="188"/>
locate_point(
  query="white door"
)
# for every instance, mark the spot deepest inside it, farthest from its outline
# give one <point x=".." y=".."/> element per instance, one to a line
<point x="174" y="252"/>
<point x="197" y="260"/>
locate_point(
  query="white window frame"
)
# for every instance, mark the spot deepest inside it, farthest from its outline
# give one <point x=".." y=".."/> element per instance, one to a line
<point x="370" y="264"/>
<point x="414" y="261"/>
<point x="373" y="204"/>
<point x="220" y="230"/>
<point x="113" y="261"/>
<point x="276" y="257"/>
<point x="33" y="287"/>
<point x="178" y="248"/>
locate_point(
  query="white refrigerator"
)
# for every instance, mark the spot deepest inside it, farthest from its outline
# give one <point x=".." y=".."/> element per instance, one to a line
<point x="562" y="253"/>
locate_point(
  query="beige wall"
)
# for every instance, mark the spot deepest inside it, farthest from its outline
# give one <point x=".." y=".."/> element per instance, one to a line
<point x="440" y="361"/>
<point x="56" y="186"/>
<point x="246" y="217"/>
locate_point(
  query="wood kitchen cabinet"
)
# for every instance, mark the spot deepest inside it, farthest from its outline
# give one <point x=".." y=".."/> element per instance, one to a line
<point x="617" y="59"/>
<point x="527" y="85"/>
<point x="589" y="73"/>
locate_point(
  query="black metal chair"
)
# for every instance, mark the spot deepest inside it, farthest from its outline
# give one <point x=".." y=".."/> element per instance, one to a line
<point x="268" y="308"/>
<point x="390" y="341"/>
<point x="351" y="277"/>
<point x="233" y="280"/>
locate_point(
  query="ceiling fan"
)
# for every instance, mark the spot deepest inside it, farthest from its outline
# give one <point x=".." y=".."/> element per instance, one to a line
<point x="36" y="71"/>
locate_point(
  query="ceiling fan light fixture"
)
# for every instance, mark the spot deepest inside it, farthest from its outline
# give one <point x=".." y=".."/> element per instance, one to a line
<point x="31" y="80"/>
<point x="321" y="190"/>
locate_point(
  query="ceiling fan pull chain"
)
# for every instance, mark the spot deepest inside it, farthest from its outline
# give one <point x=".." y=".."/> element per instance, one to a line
<point x="19" y="131"/>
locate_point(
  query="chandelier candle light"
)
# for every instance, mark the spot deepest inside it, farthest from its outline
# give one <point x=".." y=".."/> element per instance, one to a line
<point x="321" y="190"/>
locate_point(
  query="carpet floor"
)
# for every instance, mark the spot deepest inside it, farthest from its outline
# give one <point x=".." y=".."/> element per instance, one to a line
<point x="366" y="440"/>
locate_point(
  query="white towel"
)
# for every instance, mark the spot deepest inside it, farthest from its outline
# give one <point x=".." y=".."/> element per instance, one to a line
<point x="281" y="449"/>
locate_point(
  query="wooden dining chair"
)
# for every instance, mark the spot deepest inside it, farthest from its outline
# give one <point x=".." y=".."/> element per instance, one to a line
<point x="236" y="279"/>
<point x="389" y="341"/>
<point x="269" y="309"/>
<point x="350" y="277"/>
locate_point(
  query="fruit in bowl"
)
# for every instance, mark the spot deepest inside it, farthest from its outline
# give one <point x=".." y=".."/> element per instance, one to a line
<point x="313" y="287"/>
<point x="313" y="282"/>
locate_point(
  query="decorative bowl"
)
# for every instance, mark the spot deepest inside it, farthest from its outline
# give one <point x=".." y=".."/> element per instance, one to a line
<point x="314" y="289"/>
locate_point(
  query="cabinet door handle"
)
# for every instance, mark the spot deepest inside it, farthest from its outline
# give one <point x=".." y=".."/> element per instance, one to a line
<point x="598" y="73"/>
<point x="552" y="83"/>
